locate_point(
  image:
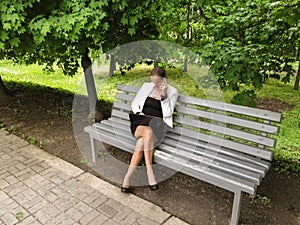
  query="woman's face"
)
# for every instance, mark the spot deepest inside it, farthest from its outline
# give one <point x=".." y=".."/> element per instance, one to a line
<point x="156" y="79"/>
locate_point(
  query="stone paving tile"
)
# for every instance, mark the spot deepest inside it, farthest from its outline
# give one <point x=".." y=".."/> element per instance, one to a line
<point x="146" y="221"/>
<point x="9" y="218"/>
<point x="88" y="217"/>
<point x="107" y="210"/>
<point x="122" y="214"/>
<point x="99" y="219"/>
<point x="29" y="221"/>
<point x="51" y="210"/>
<point x="110" y="222"/>
<point x="131" y="218"/>
<point x="43" y="189"/>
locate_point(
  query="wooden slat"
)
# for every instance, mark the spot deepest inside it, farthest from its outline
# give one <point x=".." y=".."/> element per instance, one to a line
<point x="211" y="163"/>
<point x="219" y="150"/>
<point x="211" y="176"/>
<point x="124" y="97"/>
<point x="122" y="106"/>
<point x="250" y="150"/>
<point x="120" y="114"/>
<point x="227" y="119"/>
<point x="218" y="156"/>
<point x="127" y="88"/>
<point x="225" y="131"/>
<point x="258" y="113"/>
<point x="266" y="154"/>
<point x="189" y="140"/>
<point x="123" y="130"/>
<point x="216" y="177"/>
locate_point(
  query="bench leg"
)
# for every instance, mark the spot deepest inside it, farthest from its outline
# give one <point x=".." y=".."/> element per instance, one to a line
<point x="236" y="208"/>
<point x="93" y="148"/>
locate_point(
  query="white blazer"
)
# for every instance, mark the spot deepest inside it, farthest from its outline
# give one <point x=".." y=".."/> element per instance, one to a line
<point x="167" y="105"/>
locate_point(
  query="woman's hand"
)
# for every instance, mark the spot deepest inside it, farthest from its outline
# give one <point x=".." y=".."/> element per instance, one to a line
<point x="163" y="87"/>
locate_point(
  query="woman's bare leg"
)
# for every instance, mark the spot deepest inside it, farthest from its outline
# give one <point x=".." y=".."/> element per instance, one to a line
<point x="135" y="160"/>
<point x="148" y="146"/>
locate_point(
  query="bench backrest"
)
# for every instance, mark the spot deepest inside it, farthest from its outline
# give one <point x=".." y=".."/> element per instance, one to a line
<point x="212" y="124"/>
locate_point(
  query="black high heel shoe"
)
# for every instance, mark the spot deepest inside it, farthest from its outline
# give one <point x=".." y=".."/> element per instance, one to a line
<point x="154" y="187"/>
<point x="125" y="190"/>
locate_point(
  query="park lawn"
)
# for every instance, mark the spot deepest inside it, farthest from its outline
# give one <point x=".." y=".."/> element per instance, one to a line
<point x="287" y="151"/>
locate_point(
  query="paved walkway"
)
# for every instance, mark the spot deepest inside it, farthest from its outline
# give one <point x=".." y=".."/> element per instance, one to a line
<point x="39" y="188"/>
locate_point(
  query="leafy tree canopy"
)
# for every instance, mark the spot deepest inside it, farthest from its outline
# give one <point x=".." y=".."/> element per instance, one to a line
<point x="253" y="40"/>
<point x="60" y="31"/>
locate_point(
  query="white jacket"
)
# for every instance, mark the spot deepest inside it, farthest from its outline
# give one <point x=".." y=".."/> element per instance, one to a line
<point x="167" y="105"/>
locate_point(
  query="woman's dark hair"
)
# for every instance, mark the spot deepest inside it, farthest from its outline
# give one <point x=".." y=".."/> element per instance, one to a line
<point x="159" y="71"/>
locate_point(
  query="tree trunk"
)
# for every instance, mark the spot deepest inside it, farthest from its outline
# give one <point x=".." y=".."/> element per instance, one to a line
<point x="3" y="90"/>
<point x="185" y="67"/>
<point x="187" y="33"/>
<point x="86" y="63"/>
<point x="112" y="65"/>
<point x="296" y="86"/>
<point x="187" y="29"/>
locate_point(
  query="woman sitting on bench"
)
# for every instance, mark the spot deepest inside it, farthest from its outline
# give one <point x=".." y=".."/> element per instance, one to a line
<point x="152" y="108"/>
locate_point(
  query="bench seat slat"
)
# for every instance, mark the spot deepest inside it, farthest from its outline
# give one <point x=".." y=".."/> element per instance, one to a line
<point x="173" y="137"/>
<point x="228" y="179"/>
<point x="110" y="139"/>
<point x="250" y="150"/>
<point x="106" y="126"/>
<point x="212" y="176"/>
<point x="120" y="114"/>
<point x="242" y="158"/>
<point x="218" y="156"/>
<point x="211" y="163"/>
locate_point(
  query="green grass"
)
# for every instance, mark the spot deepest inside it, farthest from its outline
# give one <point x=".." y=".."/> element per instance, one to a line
<point x="34" y="74"/>
<point x="287" y="150"/>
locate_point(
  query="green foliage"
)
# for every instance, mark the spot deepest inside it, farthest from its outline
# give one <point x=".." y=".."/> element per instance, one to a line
<point x="260" y="199"/>
<point x="250" y="41"/>
<point x="84" y="161"/>
<point x="32" y="140"/>
<point x="58" y="32"/>
<point x="245" y="42"/>
<point x="102" y="155"/>
<point x="246" y="98"/>
<point x="19" y="215"/>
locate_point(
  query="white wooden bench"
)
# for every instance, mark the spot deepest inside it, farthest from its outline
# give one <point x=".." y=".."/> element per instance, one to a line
<point x="223" y="144"/>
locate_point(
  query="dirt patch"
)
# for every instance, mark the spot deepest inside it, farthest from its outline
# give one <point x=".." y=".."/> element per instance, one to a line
<point x="274" y="105"/>
<point x="44" y="117"/>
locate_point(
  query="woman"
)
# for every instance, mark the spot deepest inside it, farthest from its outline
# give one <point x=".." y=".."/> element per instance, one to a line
<point x="158" y="100"/>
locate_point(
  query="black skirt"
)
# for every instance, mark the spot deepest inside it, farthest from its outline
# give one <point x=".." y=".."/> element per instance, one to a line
<point x="156" y="124"/>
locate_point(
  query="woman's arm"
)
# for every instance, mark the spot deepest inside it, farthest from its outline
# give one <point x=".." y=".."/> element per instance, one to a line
<point x="140" y="97"/>
<point x="169" y="103"/>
